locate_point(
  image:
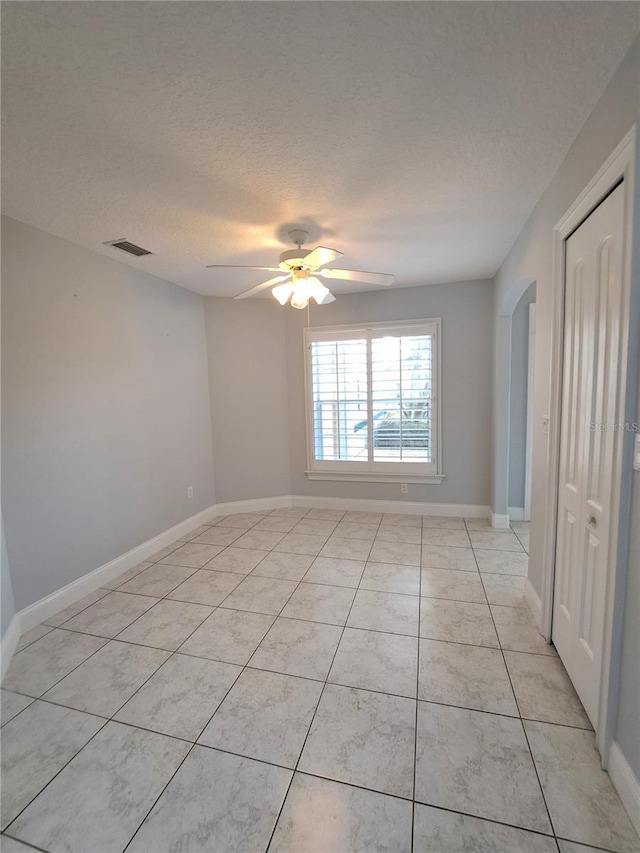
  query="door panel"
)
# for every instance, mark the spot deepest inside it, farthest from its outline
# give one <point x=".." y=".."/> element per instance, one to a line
<point x="593" y="296"/>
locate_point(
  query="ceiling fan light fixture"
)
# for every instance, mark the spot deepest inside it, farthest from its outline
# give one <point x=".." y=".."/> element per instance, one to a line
<point x="283" y="292"/>
<point x="303" y="288"/>
<point x="302" y="292"/>
<point x="299" y="301"/>
<point x="305" y="268"/>
<point x="326" y="299"/>
<point x="318" y="291"/>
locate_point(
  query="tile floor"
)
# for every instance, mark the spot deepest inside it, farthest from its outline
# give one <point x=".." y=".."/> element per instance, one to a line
<point x="305" y="680"/>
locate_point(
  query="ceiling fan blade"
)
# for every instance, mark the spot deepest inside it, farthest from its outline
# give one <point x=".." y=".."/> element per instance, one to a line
<point x="265" y="284"/>
<point x="358" y="275"/>
<point x="321" y="256"/>
<point x="239" y="267"/>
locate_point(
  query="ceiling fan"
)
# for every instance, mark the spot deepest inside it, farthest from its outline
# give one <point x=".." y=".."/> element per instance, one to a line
<point x="300" y="273"/>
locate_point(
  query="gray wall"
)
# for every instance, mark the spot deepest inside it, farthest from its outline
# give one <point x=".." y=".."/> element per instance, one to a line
<point x="628" y="724"/>
<point x="466" y="312"/>
<point x="105" y="416"/>
<point x="616" y="112"/>
<point x="530" y="257"/>
<point x="518" y="397"/>
<point x="248" y="376"/>
<point x="7" y="603"/>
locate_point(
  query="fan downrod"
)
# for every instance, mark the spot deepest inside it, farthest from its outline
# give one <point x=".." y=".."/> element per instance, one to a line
<point x="298" y="236"/>
<point x="294" y="258"/>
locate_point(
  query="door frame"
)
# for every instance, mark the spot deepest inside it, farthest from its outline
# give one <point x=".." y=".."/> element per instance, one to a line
<point x="620" y="166"/>
<point x="528" y="461"/>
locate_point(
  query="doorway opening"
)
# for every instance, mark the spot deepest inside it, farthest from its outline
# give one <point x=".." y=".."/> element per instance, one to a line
<point x="520" y="407"/>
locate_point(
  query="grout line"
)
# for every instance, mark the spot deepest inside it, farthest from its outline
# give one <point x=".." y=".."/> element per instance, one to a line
<point x="250" y="666"/>
<point x="322" y="778"/>
<point x="45" y="625"/>
<point x="255" y="668"/>
<point x="157" y="563"/>
<point x="304" y="743"/>
<point x="55" y="776"/>
<point x="415" y="732"/>
<point x="109" y="590"/>
<point x="107" y="641"/>
<point x="393" y="796"/>
<point x="194" y="743"/>
<point x="73" y="669"/>
<point x="548" y="835"/>
<point x="28" y="846"/>
<point x="588" y="847"/>
<point x="49" y="625"/>
<point x="171" y="778"/>
<point x="522" y="726"/>
<point x="242" y="670"/>
<point x="535" y="767"/>
<point x="326" y="681"/>
<point x="504" y="660"/>
<point x="188" y="753"/>
<point x="299" y="619"/>
<point x="111" y="718"/>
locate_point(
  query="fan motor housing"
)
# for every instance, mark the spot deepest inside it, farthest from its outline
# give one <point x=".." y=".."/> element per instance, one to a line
<point x="293" y="258"/>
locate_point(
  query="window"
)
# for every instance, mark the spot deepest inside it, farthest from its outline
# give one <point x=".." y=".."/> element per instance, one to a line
<point x="373" y="409"/>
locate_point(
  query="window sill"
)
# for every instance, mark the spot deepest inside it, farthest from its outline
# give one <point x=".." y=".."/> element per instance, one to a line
<point x="374" y="477"/>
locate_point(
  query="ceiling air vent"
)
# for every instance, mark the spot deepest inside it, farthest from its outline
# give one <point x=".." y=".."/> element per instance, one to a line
<point x="128" y="247"/>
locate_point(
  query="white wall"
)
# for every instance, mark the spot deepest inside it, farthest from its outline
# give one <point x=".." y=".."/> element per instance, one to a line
<point x="248" y="376"/>
<point x="466" y="312"/>
<point x="518" y="397"/>
<point x="105" y="409"/>
<point x="616" y="112"/>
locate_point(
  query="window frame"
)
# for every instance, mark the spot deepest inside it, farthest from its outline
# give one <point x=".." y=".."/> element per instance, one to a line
<point x="381" y="472"/>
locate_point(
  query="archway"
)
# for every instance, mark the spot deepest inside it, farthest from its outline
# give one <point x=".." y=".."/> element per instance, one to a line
<point x="505" y="308"/>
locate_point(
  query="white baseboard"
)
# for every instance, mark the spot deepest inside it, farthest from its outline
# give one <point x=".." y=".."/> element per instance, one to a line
<point x="626" y="784"/>
<point x="51" y="604"/>
<point x="516" y="513"/>
<point x="40" y="610"/>
<point x="253" y="505"/>
<point x="401" y="507"/>
<point x="535" y="604"/>
<point x="9" y="643"/>
<point x="500" y="522"/>
<point x="533" y="600"/>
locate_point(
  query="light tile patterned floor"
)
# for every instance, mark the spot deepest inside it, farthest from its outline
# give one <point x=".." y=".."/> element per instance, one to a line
<point x="305" y="680"/>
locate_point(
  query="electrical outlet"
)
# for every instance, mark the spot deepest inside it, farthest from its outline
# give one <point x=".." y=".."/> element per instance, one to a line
<point x="404" y="488"/>
<point x="189" y="492"/>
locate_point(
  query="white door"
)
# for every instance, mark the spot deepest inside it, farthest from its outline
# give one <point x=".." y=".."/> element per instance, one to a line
<point x="593" y="297"/>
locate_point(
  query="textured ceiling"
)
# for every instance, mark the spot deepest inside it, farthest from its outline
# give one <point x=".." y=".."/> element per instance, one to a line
<point x="414" y="137"/>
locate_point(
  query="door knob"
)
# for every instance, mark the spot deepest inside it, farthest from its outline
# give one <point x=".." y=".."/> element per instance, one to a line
<point x="591" y="520"/>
